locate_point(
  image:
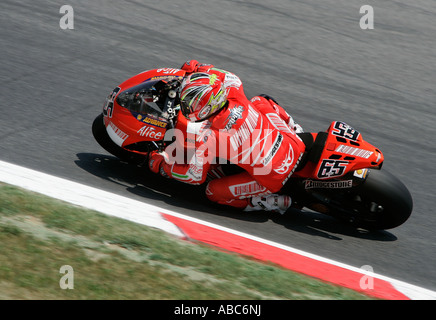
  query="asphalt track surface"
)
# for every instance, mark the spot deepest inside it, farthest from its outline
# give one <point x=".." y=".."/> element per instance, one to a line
<point x="311" y="56"/>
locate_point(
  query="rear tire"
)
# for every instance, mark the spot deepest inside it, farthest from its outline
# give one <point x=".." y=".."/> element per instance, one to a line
<point x="385" y="202"/>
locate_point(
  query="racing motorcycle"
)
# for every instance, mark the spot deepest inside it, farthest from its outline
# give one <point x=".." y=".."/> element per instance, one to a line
<point x="339" y="173"/>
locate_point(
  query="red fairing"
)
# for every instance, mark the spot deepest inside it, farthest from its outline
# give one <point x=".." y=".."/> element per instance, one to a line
<point x="125" y="127"/>
<point x="344" y="151"/>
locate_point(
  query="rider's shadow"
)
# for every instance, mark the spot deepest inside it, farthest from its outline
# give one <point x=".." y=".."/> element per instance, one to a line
<point x="141" y="182"/>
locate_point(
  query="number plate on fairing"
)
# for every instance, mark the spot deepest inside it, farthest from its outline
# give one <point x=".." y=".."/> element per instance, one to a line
<point x="342" y="146"/>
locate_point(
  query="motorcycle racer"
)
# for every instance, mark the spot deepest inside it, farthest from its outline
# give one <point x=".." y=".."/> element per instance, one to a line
<point x="257" y="135"/>
<point x="339" y="174"/>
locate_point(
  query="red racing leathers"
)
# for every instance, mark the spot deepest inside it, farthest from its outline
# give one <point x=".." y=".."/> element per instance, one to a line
<point x="254" y="135"/>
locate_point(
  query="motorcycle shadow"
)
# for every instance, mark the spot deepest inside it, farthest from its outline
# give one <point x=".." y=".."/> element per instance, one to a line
<point x="145" y="184"/>
<point x="320" y="225"/>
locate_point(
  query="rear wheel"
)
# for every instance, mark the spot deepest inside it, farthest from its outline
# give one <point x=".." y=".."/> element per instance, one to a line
<point x="381" y="202"/>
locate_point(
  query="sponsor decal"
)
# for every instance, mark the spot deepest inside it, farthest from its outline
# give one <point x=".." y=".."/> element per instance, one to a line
<point x="116" y="134"/>
<point x="232" y="80"/>
<point x="168" y="70"/>
<point x="361" y="173"/>
<point x="278" y="123"/>
<point x="353" y="151"/>
<point x="235" y="115"/>
<point x="152" y="121"/>
<point x="271" y="153"/>
<point x="311" y="184"/>
<point x="150" y="132"/>
<point x="246" y="189"/>
<point x="246" y="129"/>
<point x="167" y="78"/>
<point x="195" y="172"/>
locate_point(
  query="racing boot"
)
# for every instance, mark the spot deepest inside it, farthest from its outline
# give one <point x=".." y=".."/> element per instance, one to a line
<point x="294" y="126"/>
<point x="272" y="202"/>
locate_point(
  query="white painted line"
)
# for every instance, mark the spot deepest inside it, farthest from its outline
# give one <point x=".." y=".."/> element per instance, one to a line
<point x="150" y="215"/>
<point x="88" y="197"/>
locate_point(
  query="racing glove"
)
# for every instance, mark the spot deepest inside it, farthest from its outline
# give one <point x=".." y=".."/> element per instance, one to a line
<point x="158" y="164"/>
<point x="192" y="66"/>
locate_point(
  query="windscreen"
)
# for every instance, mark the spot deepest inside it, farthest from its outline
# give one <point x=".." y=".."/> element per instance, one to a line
<point x="143" y="99"/>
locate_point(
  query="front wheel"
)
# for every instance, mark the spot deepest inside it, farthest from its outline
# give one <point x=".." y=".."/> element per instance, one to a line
<point x="381" y="202"/>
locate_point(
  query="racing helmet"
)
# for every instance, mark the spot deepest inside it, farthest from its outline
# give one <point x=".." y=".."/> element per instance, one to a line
<point x="201" y="96"/>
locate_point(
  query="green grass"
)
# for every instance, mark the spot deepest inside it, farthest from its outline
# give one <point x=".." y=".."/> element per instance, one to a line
<point x="117" y="259"/>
